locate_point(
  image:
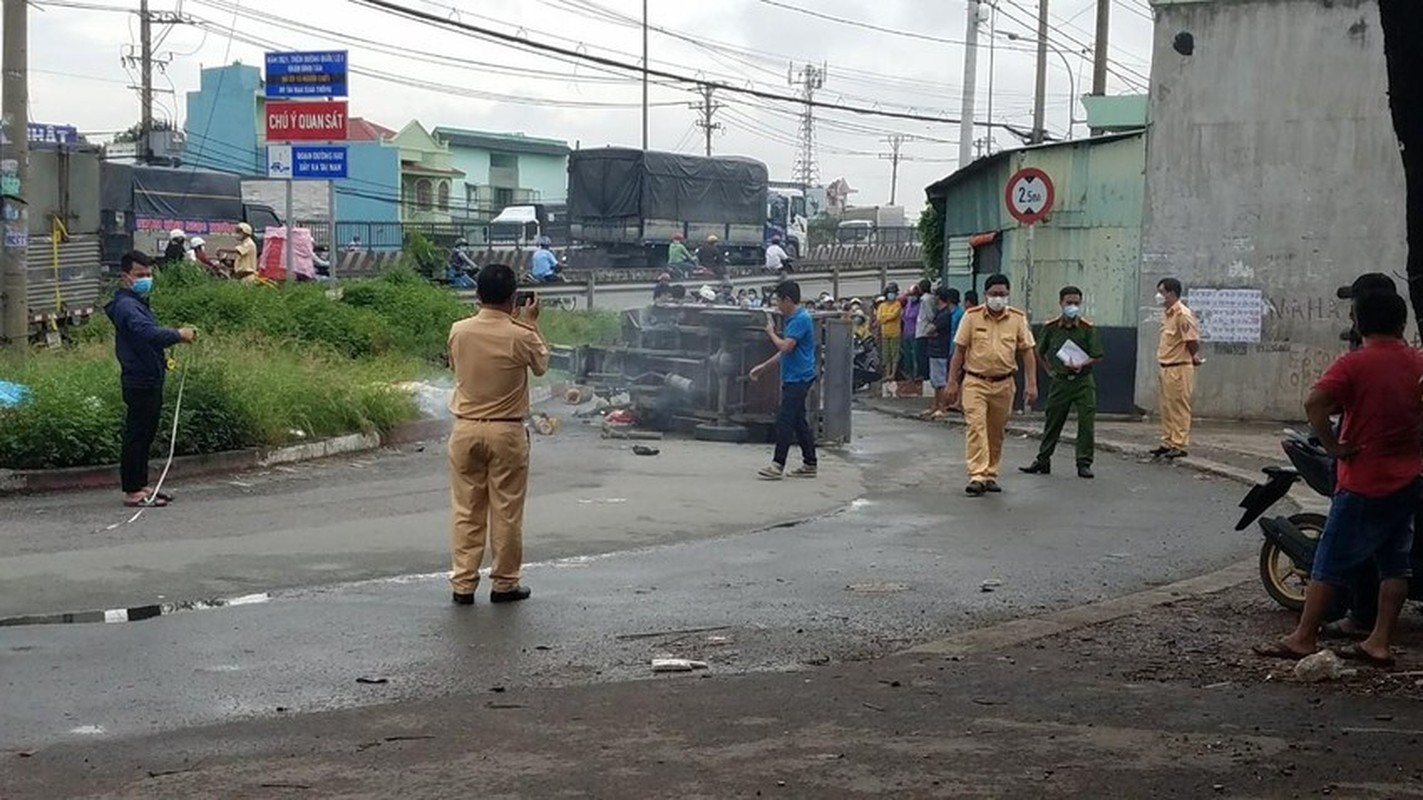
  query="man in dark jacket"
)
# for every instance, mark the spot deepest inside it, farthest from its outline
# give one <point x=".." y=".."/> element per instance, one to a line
<point x="139" y="344"/>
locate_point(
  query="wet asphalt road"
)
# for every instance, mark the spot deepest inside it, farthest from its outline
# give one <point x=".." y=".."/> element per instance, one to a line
<point x="901" y="561"/>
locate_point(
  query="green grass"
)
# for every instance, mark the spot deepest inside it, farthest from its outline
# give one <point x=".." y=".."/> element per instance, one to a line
<point x="580" y="327"/>
<point x="272" y="366"/>
<point x="238" y="394"/>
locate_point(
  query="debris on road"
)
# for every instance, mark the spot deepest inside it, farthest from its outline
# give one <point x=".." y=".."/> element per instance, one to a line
<point x="545" y="424"/>
<point x="12" y="394"/>
<point x="372" y="681"/>
<point x="990" y="585"/>
<point x="879" y="587"/>
<point x="644" y="450"/>
<point x="676" y="665"/>
<point x="1321" y="666"/>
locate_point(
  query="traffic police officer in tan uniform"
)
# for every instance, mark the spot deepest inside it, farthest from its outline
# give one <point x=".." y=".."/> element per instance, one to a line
<point x="992" y="342"/>
<point x="492" y="354"/>
<point x="1177" y="356"/>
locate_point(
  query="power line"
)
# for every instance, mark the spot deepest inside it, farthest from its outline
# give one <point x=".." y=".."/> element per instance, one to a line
<point x="707" y="108"/>
<point x="398" y="10"/>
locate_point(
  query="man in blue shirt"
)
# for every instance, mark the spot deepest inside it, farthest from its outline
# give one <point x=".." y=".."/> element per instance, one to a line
<point x="545" y="263"/>
<point x="139" y="344"/>
<point x="795" y="352"/>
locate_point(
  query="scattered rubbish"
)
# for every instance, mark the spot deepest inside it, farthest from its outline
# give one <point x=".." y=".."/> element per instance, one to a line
<point x="659" y="634"/>
<point x="12" y="394"/>
<point x="718" y="640"/>
<point x="676" y="665"/>
<point x="1220" y="685"/>
<point x="603" y="501"/>
<point x="26" y="753"/>
<point x="987" y="701"/>
<point x="1219" y="787"/>
<point x="990" y="585"/>
<point x="282" y="709"/>
<point x="577" y="395"/>
<point x="879" y="587"/>
<point x="283" y="786"/>
<point x="873" y="707"/>
<point x="497" y="689"/>
<point x="503" y="706"/>
<point x="414" y="737"/>
<point x="542" y="647"/>
<point x="545" y="424"/>
<point x="1384" y="717"/>
<point x="621" y="416"/>
<point x="296" y="433"/>
<point x="1321" y="666"/>
<point x="372" y="681"/>
<point x="644" y="450"/>
<point x="163" y="773"/>
<point x="611" y="431"/>
<point x="780" y="783"/>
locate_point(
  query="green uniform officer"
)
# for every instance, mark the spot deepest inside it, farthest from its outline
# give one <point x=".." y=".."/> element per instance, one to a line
<point x="1072" y="383"/>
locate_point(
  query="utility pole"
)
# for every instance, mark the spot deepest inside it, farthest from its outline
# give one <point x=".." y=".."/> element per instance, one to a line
<point x="707" y="108"/>
<point x="1040" y="93"/>
<point x="1099" y="53"/>
<point x="970" y="85"/>
<point x="145" y="126"/>
<point x="894" y="142"/>
<point x="15" y="174"/>
<point x="809" y="80"/>
<point x="644" y="78"/>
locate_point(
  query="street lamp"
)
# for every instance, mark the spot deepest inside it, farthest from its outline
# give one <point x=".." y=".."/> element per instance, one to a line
<point x="1072" y="79"/>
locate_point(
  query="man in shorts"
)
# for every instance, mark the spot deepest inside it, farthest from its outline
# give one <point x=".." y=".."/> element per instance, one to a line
<point x="939" y="346"/>
<point x="1376" y="387"/>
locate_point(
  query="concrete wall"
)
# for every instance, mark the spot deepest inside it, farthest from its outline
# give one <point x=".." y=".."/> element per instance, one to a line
<point x="223" y="116"/>
<point x="547" y="175"/>
<point x="1272" y="165"/>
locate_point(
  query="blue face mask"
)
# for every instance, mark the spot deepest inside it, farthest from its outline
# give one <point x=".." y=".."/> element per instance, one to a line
<point x="1071" y="312"/>
<point x="142" y="286"/>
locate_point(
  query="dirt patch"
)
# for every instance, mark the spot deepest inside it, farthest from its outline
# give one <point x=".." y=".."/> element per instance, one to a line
<point x="1205" y="642"/>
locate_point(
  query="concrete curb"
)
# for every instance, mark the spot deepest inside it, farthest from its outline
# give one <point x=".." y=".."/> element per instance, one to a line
<point x="15" y="482"/>
<point x="1020" y="631"/>
<point x="1107" y="445"/>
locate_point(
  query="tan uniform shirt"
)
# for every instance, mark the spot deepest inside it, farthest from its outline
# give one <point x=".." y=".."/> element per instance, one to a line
<point x="246" y="259"/>
<point x="1178" y="326"/>
<point x="993" y="342"/>
<point x="491" y="355"/>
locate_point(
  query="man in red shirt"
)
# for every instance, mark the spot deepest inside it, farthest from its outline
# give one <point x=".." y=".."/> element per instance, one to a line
<point x="1380" y="455"/>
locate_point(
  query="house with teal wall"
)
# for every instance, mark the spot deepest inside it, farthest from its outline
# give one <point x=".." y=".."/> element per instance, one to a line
<point x="504" y="169"/>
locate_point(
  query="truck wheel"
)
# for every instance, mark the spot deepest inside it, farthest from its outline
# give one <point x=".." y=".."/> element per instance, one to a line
<point x="1283" y="580"/>
<point x="730" y="434"/>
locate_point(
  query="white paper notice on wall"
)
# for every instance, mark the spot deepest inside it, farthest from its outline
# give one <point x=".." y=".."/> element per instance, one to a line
<point x="1228" y="315"/>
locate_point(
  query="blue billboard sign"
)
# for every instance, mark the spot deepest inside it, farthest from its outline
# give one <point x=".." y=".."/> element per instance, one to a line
<point x="306" y="74"/>
<point x="41" y="133"/>
<point x="306" y="162"/>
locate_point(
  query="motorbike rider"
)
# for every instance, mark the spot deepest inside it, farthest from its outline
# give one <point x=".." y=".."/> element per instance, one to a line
<point x="679" y="258"/>
<point x="776" y="258"/>
<point x="545" y="263"/>
<point x="461" y="270"/>
<point x="177" y="249"/>
<point x="710" y="257"/>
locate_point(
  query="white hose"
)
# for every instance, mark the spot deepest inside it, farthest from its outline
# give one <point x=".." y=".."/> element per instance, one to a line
<point x="172" y="447"/>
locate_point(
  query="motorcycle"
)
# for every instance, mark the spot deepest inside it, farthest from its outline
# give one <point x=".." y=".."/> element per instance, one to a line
<point x="1287" y="554"/>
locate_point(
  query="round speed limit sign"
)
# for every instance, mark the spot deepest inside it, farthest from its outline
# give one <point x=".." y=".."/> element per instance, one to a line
<point x="1029" y="195"/>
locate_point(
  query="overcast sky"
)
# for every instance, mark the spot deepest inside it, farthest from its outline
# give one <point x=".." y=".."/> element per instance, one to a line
<point x="412" y="70"/>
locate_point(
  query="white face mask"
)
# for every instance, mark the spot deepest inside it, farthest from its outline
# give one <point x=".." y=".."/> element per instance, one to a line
<point x="1160" y="299"/>
<point x="997" y="303"/>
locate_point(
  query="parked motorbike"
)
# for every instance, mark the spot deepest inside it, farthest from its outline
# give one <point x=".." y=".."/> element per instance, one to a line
<point x="1287" y="554"/>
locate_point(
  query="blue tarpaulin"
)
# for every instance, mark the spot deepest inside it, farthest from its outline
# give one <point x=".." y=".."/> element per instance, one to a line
<point x="12" y="394"/>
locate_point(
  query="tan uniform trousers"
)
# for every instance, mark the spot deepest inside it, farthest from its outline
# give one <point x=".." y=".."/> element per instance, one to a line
<point x="1178" y="384"/>
<point x="986" y="408"/>
<point x="489" y="479"/>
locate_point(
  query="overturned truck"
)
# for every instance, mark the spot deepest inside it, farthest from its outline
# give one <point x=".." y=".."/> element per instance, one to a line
<point x="684" y="368"/>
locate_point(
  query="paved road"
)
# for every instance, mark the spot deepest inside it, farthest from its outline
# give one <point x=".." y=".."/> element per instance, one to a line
<point x="694" y="548"/>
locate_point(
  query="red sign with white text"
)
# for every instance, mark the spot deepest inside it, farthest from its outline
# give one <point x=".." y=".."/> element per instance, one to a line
<point x="297" y="121"/>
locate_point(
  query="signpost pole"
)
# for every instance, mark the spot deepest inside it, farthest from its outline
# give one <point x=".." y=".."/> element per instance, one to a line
<point x="331" y="230"/>
<point x="289" y="226"/>
<point x="14" y="175"/>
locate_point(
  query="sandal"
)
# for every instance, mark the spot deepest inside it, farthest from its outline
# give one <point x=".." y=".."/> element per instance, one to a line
<point x="150" y="501"/>
<point x="1278" y="650"/>
<point x="1353" y="652"/>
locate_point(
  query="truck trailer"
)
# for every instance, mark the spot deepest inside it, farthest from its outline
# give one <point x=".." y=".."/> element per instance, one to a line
<point x="625" y="205"/>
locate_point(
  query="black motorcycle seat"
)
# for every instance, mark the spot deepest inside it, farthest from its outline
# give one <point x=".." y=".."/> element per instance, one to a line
<point x="1289" y="472"/>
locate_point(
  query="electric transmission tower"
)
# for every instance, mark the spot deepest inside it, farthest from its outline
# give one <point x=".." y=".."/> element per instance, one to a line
<point x="809" y="79"/>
